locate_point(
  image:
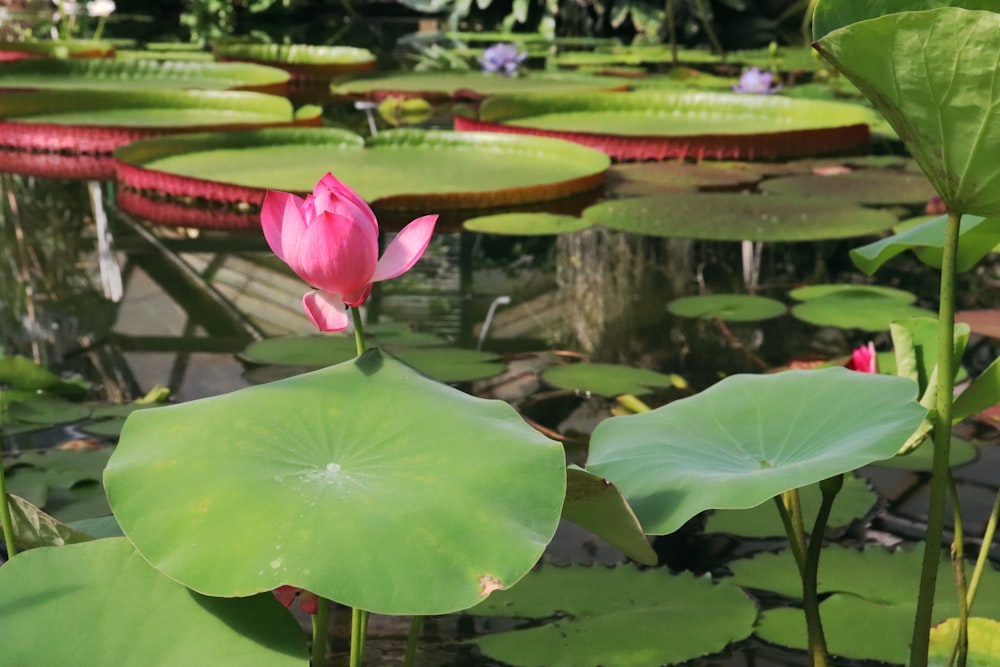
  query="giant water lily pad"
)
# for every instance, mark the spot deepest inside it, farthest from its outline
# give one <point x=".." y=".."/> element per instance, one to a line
<point x="58" y="48"/>
<point x="881" y="187"/>
<point x="749" y="438"/>
<point x="728" y="307"/>
<point x="301" y="60"/>
<point x="604" y="617"/>
<point x="869" y="612"/>
<point x="738" y="217"/>
<point x="51" y="74"/>
<point x="363" y="482"/>
<point x="398" y="170"/>
<point x="978" y="237"/>
<point x="95" y="601"/>
<point x="866" y="307"/>
<point x="932" y="75"/>
<point x="526" y="224"/>
<point x="653" y="178"/>
<point x="661" y="124"/>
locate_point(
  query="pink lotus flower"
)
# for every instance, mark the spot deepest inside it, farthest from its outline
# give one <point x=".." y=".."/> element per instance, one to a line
<point x="863" y="359"/>
<point x="308" y="602"/>
<point x="330" y="239"/>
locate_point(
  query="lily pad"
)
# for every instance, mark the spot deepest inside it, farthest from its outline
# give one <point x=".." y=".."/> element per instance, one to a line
<point x="244" y="492"/>
<point x="919" y="69"/>
<point x="865" y="307"/>
<point x="738" y="217"/>
<point x="727" y="307"/>
<point x="853" y="502"/>
<point x="301" y="60"/>
<point x="60" y="48"/>
<point x="526" y="224"/>
<point x="609" y="379"/>
<point x="662" y="125"/>
<point x="397" y="170"/>
<point x="103" y="588"/>
<point x="653" y="178"/>
<point x="151" y="75"/>
<point x="922" y="458"/>
<point x="869" y="612"/>
<point x="978" y="237"/>
<point x="606" y="616"/>
<point x="749" y="438"/>
<point x="878" y="187"/>
<point x="984" y="642"/>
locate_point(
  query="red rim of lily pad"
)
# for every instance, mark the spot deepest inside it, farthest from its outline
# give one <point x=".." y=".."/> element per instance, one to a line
<point x="819" y="139"/>
<point x="193" y="201"/>
<point x="80" y="150"/>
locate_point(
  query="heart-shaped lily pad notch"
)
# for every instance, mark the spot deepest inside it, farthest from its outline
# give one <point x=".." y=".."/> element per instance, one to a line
<point x="978" y="237"/>
<point x="878" y="187"/>
<point x="749" y="438"/>
<point x="869" y="612"/>
<point x="103" y="588"/>
<point x="853" y="502"/>
<point x="526" y="224"/>
<point x="659" y="125"/>
<point x="727" y="307"/>
<point x="604" y="616"/>
<point x="723" y="216"/>
<point x="610" y="379"/>
<point x="300" y="482"/>
<point x="403" y="170"/>
<point x="865" y="307"/>
<point x="652" y="178"/>
<point x="918" y="67"/>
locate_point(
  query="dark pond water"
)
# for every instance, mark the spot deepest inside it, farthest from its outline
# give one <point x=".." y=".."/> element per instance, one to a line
<point x="188" y="303"/>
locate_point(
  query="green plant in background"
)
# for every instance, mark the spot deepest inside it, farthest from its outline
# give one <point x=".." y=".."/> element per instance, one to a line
<point x="936" y="86"/>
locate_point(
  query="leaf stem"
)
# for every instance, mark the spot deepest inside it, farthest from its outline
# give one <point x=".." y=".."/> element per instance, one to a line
<point x="5" y="520"/>
<point x="920" y="644"/>
<point x="359" y="624"/>
<point x="790" y="509"/>
<point x="319" y="629"/>
<point x="359" y="330"/>
<point x="959" y="652"/>
<point x="810" y="574"/>
<point x="984" y="552"/>
<point x="416" y="625"/>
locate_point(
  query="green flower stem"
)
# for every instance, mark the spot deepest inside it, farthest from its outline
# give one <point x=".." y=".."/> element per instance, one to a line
<point x="960" y="651"/>
<point x="319" y="629"/>
<point x="790" y="509"/>
<point x="984" y="552"/>
<point x="5" y="521"/>
<point x="359" y="624"/>
<point x="416" y="625"/>
<point x="359" y="330"/>
<point x="920" y="645"/>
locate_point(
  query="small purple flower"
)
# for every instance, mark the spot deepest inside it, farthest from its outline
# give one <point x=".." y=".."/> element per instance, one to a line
<point x="756" y="82"/>
<point x="502" y="59"/>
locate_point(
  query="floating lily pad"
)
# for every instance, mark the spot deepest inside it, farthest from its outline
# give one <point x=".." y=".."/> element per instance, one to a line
<point x="869" y="612"/>
<point x="866" y="307"/>
<point x="472" y="83"/>
<point x="867" y="186"/>
<point x="301" y="60"/>
<point x="653" y="178"/>
<point x="727" y="307"/>
<point x="661" y="125"/>
<point x="853" y="502"/>
<point x="605" y="616"/>
<point x="153" y="75"/>
<point x="738" y="217"/>
<point x="311" y="350"/>
<point x="71" y="133"/>
<point x="450" y="364"/>
<point x="922" y="458"/>
<point x="526" y="224"/>
<point x="238" y="493"/>
<point x="983" y="637"/>
<point x="60" y="48"/>
<point x="749" y="438"/>
<point x="609" y="379"/>
<point x="978" y="237"/>
<point x="397" y="170"/>
<point x="102" y="589"/>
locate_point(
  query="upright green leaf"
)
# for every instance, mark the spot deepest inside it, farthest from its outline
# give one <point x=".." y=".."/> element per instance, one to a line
<point x="833" y="14"/>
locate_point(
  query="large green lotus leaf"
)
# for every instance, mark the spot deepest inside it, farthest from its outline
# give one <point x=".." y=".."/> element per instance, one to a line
<point x="448" y="83"/>
<point x="526" y="224"/>
<point x="869" y="614"/>
<point x="609" y="379"/>
<point x="34" y="528"/>
<point x="857" y="309"/>
<point x="653" y="178"/>
<point x="728" y="307"/>
<point x="619" y="617"/>
<point x="978" y="237"/>
<point x="101" y="74"/>
<point x="749" y="438"/>
<point x="982" y="393"/>
<point x="100" y="603"/>
<point x="932" y="74"/>
<point x="396" y="169"/>
<point x="867" y="186"/>
<point x="853" y="502"/>
<point x="145" y="108"/>
<point x="832" y="14"/>
<point x="364" y="482"/>
<point x="738" y="217"/>
<point x="595" y="504"/>
<point x="984" y="642"/>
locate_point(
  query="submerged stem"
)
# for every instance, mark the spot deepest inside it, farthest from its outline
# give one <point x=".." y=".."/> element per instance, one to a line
<point x="359" y="330"/>
<point x="319" y="630"/>
<point x="412" y="639"/>
<point x="920" y="645"/>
